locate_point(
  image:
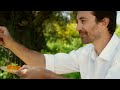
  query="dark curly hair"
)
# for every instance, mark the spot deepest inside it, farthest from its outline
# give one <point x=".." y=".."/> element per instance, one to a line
<point x="100" y="15"/>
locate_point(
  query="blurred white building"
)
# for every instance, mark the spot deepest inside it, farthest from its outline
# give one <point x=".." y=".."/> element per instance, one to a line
<point x="118" y="17"/>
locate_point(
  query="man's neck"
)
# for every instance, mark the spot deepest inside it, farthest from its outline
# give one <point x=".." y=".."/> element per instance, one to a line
<point x="101" y="43"/>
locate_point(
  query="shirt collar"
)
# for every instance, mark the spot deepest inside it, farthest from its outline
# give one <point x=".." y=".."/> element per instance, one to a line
<point x="93" y="54"/>
<point x="109" y="51"/>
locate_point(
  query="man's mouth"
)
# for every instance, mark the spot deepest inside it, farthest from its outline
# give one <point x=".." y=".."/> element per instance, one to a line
<point x="82" y="35"/>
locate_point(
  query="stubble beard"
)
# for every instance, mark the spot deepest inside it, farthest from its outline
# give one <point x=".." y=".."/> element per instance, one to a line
<point x="85" y="38"/>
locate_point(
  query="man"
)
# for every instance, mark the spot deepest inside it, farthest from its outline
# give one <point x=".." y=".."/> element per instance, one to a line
<point x="99" y="59"/>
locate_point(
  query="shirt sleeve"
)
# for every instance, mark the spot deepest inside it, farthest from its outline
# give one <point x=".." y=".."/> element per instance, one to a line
<point x="62" y="63"/>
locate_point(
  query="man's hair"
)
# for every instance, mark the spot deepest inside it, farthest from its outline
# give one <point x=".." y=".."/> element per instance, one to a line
<point x="100" y="15"/>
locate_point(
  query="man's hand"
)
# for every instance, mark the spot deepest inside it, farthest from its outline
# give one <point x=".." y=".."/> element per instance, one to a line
<point x="36" y="72"/>
<point x="28" y="56"/>
<point x="5" y="37"/>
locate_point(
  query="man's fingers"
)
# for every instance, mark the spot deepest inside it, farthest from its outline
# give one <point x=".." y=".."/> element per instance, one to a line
<point x="1" y="39"/>
<point x="22" y="72"/>
<point x="1" y="35"/>
<point x="2" y="28"/>
<point x="1" y="31"/>
<point x="1" y="43"/>
<point x="24" y="67"/>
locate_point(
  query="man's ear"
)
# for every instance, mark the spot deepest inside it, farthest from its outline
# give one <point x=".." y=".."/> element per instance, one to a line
<point x="105" y="22"/>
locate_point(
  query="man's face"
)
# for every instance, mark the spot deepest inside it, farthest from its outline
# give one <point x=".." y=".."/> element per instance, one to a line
<point x="87" y="27"/>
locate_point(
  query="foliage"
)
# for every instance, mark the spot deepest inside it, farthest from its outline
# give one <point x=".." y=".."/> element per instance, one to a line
<point x="118" y="31"/>
<point x="72" y="75"/>
<point x="61" y="36"/>
<point x="43" y="31"/>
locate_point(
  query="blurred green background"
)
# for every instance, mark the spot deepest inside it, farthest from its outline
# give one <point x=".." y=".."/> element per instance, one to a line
<point x="43" y="31"/>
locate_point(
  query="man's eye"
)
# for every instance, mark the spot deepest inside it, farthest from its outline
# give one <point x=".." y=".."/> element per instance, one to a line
<point x="83" y="21"/>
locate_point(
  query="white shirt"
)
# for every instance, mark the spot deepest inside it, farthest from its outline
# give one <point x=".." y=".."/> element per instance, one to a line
<point x="87" y="62"/>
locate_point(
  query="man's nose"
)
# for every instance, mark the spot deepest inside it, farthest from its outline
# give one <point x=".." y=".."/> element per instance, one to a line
<point x="79" y="27"/>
